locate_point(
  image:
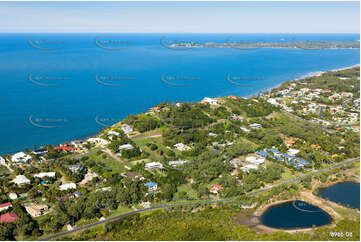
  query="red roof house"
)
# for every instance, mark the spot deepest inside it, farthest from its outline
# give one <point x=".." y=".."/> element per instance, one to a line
<point x="8" y="217"/>
<point x="65" y="148"/>
<point x="5" y="206"/>
<point x="215" y="188"/>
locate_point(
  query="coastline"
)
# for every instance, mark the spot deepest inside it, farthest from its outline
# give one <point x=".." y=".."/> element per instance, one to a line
<point x="310" y="74"/>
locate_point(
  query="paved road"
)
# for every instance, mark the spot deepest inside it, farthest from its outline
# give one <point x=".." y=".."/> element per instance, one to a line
<point x="194" y="203"/>
<point x="345" y="163"/>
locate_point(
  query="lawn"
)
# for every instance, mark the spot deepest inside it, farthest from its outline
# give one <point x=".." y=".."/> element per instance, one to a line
<point x="188" y="189"/>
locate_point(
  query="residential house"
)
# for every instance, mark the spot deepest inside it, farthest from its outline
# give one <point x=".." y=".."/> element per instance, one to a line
<point x="254" y="160"/>
<point x="181" y="147"/>
<point x="75" y="168"/>
<point x="20" y="157"/>
<point x="262" y="153"/>
<point x="78" y="194"/>
<point x="152" y="186"/>
<point x="77" y="143"/>
<point x="36" y="210"/>
<point x="13" y="196"/>
<point x="67" y="186"/>
<point x="98" y="141"/>
<point x="126" y="128"/>
<point x="21" y="180"/>
<point x="255" y="126"/>
<point x="177" y="162"/>
<point x="112" y="132"/>
<point x="45" y="174"/>
<point x="293" y="152"/>
<point x="133" y="175"/>
<point x="152" y="165"/>
<point x="40" y="152"/>
<point x="249" y="167"/>
<point x="2" y="161"/>
<point x="245" y="130"/>
<point x="126" y="147"/>
<point x="8" y="217"/>
<point x="215" y="189"/>
<point x="5" y="206"/>
<point x="211" y="101"/>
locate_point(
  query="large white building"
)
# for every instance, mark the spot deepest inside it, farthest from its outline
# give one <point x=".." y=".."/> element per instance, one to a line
<point x="98" y="141"/>
<point x="254" y="160"/>
<point x="2" y="161"/>
<point x="126" y="147"/>
<point x="182" y="147"/>
<point x="67" y="186"/>
<point x="126" y="128"/>
<point x="152" y="165"/>
<point x="45" y="174"/>
<point x="20" y="157"/>
<point x="21" y="180"/>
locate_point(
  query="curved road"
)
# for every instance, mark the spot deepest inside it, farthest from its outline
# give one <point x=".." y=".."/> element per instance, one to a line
<point x="345" y="163"/>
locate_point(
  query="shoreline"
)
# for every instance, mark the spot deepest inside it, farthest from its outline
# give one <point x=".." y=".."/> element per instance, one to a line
<point x="310" y="74"/>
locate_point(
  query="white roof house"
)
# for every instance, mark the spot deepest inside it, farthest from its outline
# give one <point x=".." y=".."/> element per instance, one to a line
<point x="152" y="165"/>
<point x="13" y="196"/>
<point x="45" y="174"/>
<point x="255" y="126"/>
<point x="182" y="147"/>
<point x="67" y="186"/>
<point x="126" y="128"/>
<point x="2" y="160"/>
<point x="293" y="152"/>
<point x="99" y="141"/>
<point x="212" y="101"/>
<point x="245" y="129"/>
<point x="20" y="157"/>
<point x="126" y="147"/>
<point x="273" y="101"/>
<point x="254" y="160"/>
<point x="113" y="133"/>
<point x="177" y="162"/>
<point x="249" y="167"/>
<point x="21" y="180"/>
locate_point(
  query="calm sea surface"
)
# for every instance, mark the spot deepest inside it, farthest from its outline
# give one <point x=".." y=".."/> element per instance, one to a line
<point x="55" y="86"/>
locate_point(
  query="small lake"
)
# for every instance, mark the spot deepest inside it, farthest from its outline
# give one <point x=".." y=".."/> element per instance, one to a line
<point x="295" y="214"/>
<point x="346" y="193"/>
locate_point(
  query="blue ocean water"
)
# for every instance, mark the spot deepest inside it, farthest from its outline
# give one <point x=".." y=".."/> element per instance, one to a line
<point x="60" y="87"/>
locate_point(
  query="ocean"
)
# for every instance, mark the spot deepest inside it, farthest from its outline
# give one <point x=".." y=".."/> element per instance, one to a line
<point x="61" y="87"/>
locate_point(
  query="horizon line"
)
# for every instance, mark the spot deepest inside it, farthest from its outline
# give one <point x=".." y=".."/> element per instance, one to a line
<point x="177" y="33"/>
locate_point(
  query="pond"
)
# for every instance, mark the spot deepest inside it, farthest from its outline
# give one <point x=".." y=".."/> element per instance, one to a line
<point x="295" y="214"/>
<point x="346" y="193"/>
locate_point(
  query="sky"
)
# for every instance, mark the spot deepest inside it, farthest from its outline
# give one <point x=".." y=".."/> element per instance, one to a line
<point x="180" y="17"/>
